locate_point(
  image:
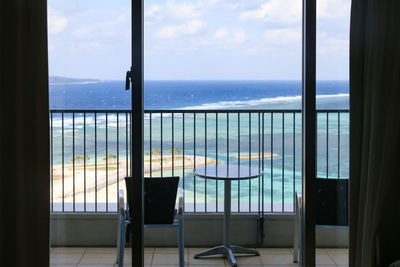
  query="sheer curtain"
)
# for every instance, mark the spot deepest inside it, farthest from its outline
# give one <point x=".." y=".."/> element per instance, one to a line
<point x="374" y="132"/>
<point x="24" y="134"/>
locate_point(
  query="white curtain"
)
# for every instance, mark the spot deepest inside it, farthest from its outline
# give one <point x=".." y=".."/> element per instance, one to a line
<point x="374" y="132"/>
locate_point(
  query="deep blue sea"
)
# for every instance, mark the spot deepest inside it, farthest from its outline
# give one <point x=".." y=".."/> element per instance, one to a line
<point x="197" y="95"/>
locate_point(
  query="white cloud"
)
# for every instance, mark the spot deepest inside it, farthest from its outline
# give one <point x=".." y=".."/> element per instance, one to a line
<point x="189" y="28"/>
<point x="234" y="5"/>
<point x="83" y="30"/>
<point x="152" y="11"/>
<point x="51" y="46"/>
<point x="283" y="36"/>
<point x="255" y="32"/>
<point x="332" y="45"/>
<point x="179" y="10"/>
<point x="278" y="11"/>
<point x="290" y="11"/>
<point x="252" y="51"/>
<point x="184" y="10"/>
<point x="90" y="47"/>
<point x="225" y="37"/>
<point x="56" y="21"/>
<point x="333" y="8"/>
<point x="221" y="33"/>
<point x="239" y="37"/>
<point x="103" y="27"/>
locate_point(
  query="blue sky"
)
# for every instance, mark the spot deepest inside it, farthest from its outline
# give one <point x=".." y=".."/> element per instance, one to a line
<point x="196" y="39"/>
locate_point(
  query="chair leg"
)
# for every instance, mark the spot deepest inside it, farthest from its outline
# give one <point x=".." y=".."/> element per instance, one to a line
<point x="181" y="244"/>
<point x="121" y="242"/>
<point x="118" y="239"/>
<point x="296" y="236"/>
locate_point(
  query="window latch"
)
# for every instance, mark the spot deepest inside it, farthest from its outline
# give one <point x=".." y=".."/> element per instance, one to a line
<point x="129" y="79"/>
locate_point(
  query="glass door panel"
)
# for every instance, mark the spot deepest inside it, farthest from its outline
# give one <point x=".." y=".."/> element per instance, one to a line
<point x="89" y="50"/>
<point x="332" y="156"/>
<point x="247" y="59"/>
<point x="223" y="87"/>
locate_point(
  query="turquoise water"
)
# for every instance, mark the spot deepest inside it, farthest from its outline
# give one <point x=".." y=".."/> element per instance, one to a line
<point x="282" y="174"/>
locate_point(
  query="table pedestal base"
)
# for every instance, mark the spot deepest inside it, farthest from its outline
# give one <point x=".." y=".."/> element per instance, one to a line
<point x="227" y="252"/>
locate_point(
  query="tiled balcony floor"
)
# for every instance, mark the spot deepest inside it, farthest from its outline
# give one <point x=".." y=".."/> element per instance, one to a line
<point x="157" y="257"/>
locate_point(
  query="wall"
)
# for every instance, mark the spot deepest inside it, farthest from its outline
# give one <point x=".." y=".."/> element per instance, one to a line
<point x="200" y="230"/>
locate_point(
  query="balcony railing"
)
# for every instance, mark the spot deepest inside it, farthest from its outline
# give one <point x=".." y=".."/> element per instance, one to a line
<point x="90" y="155"/>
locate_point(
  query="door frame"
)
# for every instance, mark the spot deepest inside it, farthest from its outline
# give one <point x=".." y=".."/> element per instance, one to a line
<point x="309" y="121"/>
<point x="307" y="255"/>
<point x="137" y="132"/>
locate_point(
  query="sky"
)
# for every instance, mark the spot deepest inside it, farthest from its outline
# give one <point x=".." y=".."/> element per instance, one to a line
<point x="196" y="39"/>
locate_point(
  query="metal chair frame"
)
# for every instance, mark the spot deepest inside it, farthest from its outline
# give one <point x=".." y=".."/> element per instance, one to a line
<point x="298" y="227"/>
<point x="124" y="220"/>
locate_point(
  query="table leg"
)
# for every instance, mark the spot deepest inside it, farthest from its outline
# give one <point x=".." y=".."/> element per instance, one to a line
<point x="241" y="250"/>
<point x="227" y="249"/>
<point x="212" y="251"/>
<point x="219" y="250"/>
<point x="296" y="231"/>
<point x="227" y="213"/>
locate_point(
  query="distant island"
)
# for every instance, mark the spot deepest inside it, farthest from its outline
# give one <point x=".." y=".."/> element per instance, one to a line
<point x="59" y="79"/>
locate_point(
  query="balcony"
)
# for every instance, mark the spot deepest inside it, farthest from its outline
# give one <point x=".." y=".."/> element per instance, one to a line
<point x="90" y="151"/>
<point x="169" y="257"/>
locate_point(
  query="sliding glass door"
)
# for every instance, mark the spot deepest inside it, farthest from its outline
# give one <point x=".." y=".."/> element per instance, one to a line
<point x="232" y="98"/>
<point x="324" y="198"/>
<point x="332" y="127"/>
<point x="90" y="127"/>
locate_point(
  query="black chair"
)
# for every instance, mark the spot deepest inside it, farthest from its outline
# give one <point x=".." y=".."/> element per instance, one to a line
<point x="160" y="211"/>
<point x="332" y="203"/>
<point x="332" y="208"/>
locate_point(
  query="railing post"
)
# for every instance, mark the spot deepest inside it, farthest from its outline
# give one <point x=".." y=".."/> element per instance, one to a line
<point x="100" y="147"/>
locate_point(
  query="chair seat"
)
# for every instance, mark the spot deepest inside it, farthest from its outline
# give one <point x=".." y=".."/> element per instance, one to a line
<point x="174" y="224"/>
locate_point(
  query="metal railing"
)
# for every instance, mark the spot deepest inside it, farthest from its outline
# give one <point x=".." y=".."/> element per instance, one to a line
<point x="90" y="155"/>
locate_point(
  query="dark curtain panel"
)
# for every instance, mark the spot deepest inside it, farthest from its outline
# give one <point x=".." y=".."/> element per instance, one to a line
<point x="374" y="132"/>
<point x="24" y="134"/>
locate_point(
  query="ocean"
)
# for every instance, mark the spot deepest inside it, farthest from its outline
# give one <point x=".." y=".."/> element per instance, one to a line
<point x="198" y="95"/>
<point x="219" y="137"/>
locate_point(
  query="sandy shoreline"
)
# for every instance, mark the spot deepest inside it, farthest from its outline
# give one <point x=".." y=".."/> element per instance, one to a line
<point x="256" y="156"/>
<point x="106" y="181"/>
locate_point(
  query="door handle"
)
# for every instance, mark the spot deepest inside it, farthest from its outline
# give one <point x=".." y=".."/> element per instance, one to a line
<point x="128" y="79"/>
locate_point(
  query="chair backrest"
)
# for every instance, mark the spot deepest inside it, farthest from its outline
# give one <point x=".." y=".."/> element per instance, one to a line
<point x="332" y="202"/>
<point x="159" y="199"/>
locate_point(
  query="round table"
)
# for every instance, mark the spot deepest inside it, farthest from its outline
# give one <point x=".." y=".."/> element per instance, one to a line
<point x="227" y="173"/>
